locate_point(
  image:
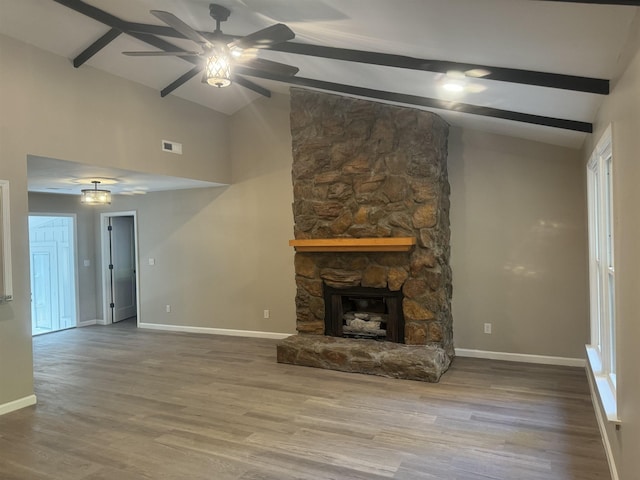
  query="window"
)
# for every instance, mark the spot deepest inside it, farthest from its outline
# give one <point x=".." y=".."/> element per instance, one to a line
<point x="6" y="293"/>
<point x="602" y="350"/>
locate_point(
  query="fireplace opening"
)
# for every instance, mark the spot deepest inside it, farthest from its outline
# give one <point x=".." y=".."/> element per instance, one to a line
<point x="363" y="312"/>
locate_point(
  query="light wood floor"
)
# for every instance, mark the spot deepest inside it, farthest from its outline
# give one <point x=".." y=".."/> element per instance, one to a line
<point x="119" y="403"/>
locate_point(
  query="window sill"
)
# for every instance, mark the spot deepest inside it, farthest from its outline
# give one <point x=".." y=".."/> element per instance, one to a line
<point x="606" y="391"/>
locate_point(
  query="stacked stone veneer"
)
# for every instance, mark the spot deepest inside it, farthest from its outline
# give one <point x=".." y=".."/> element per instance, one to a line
<point x="365" y="169"/>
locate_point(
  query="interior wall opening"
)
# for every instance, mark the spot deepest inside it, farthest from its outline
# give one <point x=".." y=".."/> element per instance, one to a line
<point x="53" y="273"/>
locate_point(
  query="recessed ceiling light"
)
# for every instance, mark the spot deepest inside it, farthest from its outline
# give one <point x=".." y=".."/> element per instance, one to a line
<point x="453" y="87"/>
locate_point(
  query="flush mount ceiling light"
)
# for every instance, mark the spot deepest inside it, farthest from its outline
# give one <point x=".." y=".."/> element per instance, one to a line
<point x="454" y="81"/>
<point x="453" y="87"/>
<point x="95" y="196"/>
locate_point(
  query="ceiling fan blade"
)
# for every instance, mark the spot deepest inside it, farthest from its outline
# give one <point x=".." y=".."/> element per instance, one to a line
<point x="161" y="54"/>
<point x="251" y="86"/>
<point x="179" y="26"/>
<point x="266" y="37"/>
<point x="269" y="66"/>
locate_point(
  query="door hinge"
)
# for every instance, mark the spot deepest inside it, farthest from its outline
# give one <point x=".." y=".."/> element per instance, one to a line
<point x="109" y="228"/>
<point x="111" y="266"/>
<point x="112" y="305"/>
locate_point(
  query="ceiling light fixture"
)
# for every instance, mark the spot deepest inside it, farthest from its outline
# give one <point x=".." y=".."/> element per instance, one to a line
<point x="217" y="70"/>
<point x="95" y="196"/>
<point x="453" y="87"/>
<point x="454" y="81"/>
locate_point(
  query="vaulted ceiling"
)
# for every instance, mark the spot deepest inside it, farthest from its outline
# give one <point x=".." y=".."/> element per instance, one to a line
<point x="534" y="68"/>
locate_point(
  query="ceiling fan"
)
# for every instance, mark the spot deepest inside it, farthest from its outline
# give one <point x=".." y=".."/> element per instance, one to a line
<point x="219" y="58"/>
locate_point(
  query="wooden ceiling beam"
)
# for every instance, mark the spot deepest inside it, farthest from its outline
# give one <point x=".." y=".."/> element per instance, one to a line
<point x="416" y="100"/>
<point x="96" y="46"/>
<point x="94" y="12"/>
<point x="512" y="75"/>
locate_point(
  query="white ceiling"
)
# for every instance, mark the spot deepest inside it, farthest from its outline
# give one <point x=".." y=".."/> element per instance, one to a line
<point x="546" y="36"/>
<point x="48" y="175"/>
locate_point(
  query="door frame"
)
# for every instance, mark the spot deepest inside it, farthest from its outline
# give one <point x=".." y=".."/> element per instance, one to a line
<point x="76" y="270"/>
<point x="104" y="248"/>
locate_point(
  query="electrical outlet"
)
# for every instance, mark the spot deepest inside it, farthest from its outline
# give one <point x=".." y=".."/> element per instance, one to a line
<point x="487" y="328"/>
<point x="266" y="314"/>
<point x="168" y="308"/>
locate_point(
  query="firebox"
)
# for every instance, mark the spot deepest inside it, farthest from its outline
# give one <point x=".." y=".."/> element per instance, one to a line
<point x="363" y="312"/>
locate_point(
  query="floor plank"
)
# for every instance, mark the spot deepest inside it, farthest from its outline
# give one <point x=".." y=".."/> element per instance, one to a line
<point x="118" y="402"/>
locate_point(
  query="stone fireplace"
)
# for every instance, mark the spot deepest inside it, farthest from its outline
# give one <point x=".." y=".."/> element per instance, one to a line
<point x="371" y="213"/>
<point x="361" y="312"/>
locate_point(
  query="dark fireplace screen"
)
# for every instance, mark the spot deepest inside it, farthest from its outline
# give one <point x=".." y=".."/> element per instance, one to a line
<point x="362" y="312"/>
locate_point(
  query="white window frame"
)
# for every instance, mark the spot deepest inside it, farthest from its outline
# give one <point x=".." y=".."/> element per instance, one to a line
<point x="6" y="289"/>
<point x="601" y="352"/>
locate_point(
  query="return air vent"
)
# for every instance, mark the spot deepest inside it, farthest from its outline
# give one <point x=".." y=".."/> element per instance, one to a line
<point x="173" y="147"/>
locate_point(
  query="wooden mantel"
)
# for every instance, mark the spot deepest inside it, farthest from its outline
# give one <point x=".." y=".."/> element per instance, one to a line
<point x="395" y="244"/>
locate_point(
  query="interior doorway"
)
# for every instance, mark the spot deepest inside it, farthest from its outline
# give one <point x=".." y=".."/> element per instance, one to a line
<point x="53" y="273"/>
<point x="120" y="266"/>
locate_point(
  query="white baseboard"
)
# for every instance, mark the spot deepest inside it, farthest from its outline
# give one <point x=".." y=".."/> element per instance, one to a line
<point x="521" y="357"/>
<point x="215" y="331"/>
<point x="601" y="426"/>
<point x="102" y="321"/>
<point x="18" y="404"/>
<point x="86" y="323"/>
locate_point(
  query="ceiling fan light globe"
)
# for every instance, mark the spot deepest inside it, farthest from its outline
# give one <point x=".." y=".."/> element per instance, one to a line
<point x="219" y="82"/>
<point x="217" y="69"/>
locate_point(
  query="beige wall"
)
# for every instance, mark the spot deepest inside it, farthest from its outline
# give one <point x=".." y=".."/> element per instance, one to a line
<point x="226" y="249"/>
<point x="50" y="109"/>
<point x="84" y="115"/>
<point x="518" y="245"/>
<point x="221" y="254"/>
<point x="220" y="258"/>
<point x="622" y="110"/>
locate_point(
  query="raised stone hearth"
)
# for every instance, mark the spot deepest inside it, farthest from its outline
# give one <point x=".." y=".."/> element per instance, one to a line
<point x="410" y="362"/>
<point x="370" y="170"/>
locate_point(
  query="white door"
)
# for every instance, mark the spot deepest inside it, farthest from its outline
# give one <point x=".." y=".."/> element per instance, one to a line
<point x="123" y="273"/>
<point x="44" y="287"/>
<point x="53" y="283"/>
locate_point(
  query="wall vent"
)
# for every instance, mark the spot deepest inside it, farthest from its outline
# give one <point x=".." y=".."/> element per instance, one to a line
<point x="173" y="147"/>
